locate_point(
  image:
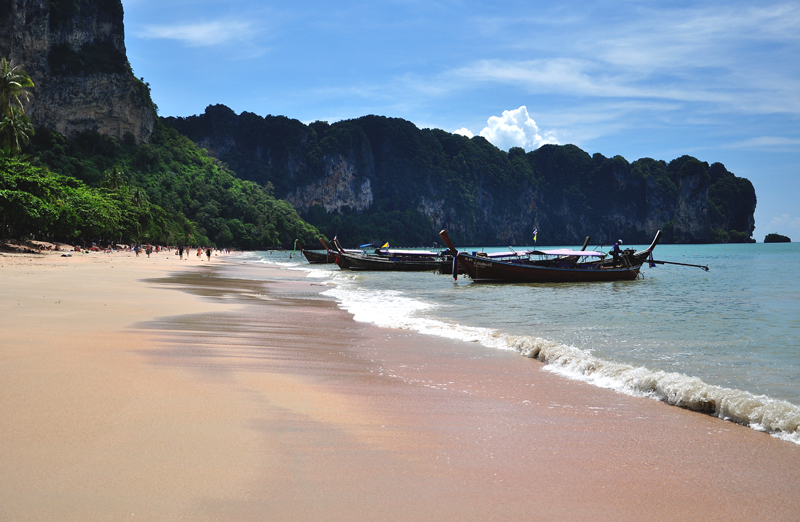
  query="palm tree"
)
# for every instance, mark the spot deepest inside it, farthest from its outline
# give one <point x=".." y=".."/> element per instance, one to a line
<point x="138" y="196"/>
<point x="15" y="128"/>
<point x="114" y="178"/>
<point x="14" y="84"/>
<point x="15" y="131"/>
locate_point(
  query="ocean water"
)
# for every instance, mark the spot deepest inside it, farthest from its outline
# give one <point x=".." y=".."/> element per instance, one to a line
<point x="726" y="341"/>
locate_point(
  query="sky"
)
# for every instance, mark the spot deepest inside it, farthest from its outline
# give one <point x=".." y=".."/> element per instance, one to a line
<point x="719" y="81"/>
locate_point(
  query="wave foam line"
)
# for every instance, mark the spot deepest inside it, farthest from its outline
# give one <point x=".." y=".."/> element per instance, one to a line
<point x="390" y="309"/>
<point x="760" y="412"/>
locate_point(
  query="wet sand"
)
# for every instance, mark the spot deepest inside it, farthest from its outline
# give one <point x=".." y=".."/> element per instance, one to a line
<point x="226" y="391"/>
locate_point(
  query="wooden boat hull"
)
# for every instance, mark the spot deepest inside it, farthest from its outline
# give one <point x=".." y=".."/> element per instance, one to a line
<point x="483" y="270"/>
<point x="564" y="268"/>
<point x="318" y="257"/>
<point x="387" y="264"/>
<point x="341" y="261"/>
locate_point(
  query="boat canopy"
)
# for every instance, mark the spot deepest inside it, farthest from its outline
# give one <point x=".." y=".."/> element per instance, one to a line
<point x="514" y="253"/>
<point x="567" y="252"/>
<point x="409" y="252"/>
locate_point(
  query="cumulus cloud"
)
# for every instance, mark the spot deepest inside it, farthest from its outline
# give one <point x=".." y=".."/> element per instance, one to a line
<point x="201" y="34"/>
<point x="464" y="132"/>
<point x="516" y="128"/>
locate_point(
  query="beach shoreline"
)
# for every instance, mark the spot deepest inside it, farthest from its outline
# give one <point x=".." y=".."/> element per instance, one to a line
<point x="165" y="389"/>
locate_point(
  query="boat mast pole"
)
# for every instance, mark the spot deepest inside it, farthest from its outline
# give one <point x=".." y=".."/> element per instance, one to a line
<point x="446" y="239"/>
<point x="680" y="264"/>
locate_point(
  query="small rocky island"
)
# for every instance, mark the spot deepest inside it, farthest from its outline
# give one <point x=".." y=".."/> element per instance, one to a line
<point x="776" y="238"/>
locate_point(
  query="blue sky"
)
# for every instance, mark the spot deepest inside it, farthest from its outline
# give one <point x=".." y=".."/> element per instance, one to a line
<point x="717" y="80"/>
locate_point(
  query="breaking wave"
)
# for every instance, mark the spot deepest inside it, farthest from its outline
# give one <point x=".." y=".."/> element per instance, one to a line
<point x="391" y="309"/>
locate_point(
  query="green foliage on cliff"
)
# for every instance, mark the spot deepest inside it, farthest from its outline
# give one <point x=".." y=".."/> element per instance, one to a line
<point x="482" y="194"/>
<point x="730" y="200"/>
<point x="402" y="228"/>
<point x="197" y="198"/>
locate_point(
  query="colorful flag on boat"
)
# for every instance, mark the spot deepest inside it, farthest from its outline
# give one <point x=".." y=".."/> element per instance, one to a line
<point x="535" y="231"/>
<point x="386" y="245"/>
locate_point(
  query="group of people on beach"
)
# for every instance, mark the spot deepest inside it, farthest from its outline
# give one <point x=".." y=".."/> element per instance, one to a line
<point x="180" y="250"/>
<point x="199" y="252"/>
<point x="146" y="248"/>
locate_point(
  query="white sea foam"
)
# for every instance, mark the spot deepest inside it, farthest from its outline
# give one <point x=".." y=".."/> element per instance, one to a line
<point x="317" y="274"/>
<point x="282" y="261"/>
<point x="777" y="417"/>
<point x="392" y="309"/>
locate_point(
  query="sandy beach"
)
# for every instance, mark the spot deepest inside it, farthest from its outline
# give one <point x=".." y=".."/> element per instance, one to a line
<point x="160" y="389"/>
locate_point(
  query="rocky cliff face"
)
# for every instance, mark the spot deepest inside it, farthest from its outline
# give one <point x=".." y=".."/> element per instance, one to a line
<point x="338" y="188"/>
<point x="375" y="170"/>
<point x="74" y="52"/>
<point x="691" y="216"/>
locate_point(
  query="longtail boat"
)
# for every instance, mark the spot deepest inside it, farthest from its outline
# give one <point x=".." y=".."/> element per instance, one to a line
<point x="326" y="256"/>
<point x="391" y="260"/>
<point x="318" y="256"/>
<point x="551" y="266"/>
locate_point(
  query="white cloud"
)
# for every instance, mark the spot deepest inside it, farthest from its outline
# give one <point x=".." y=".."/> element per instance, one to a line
<point x="729" y="59"/>
<point x="516" y="128"/>
<point x="464" y="132"/>
<point x="547" y="75"/>
<point x="590" y="78"/>
<point x="703" y="36"/>
<point x="201" y="34"/>
<point x="761" y="142"/>
<point x="784" y="222"/>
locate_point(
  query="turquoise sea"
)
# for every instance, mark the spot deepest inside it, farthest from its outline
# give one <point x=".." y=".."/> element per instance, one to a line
<point x="726" y="341"/>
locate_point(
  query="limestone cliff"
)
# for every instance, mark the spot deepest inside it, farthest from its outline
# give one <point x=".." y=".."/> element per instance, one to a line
<point x="371" y="176"/>
<point x="691" y="216"/>
<point x="337" y="189"/>
<point x="74" y="51"/>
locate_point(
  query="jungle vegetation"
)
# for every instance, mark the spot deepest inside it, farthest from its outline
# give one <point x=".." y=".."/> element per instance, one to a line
<point x="179" y="193"/>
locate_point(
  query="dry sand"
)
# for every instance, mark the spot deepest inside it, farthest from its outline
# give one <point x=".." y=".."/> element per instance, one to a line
<point x="160" y="389"/>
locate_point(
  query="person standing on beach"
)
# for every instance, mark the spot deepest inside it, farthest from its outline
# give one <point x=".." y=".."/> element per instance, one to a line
<point x="180" y="251"/>
<point x="136" y="250"/>
<point x="208" y="253"/>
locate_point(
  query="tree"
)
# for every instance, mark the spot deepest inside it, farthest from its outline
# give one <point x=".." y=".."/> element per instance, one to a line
<point x="15" y="127"/>
<point x="114" y="178"/>
<point x="15" y="131"/>
<point x="138" y="196"/>
<point x="14" y="84"/>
